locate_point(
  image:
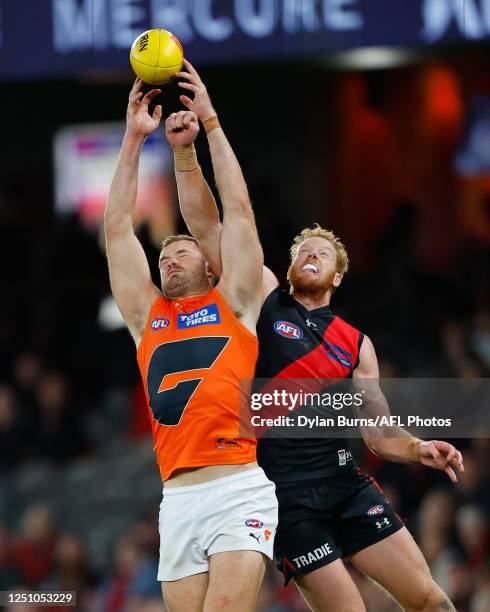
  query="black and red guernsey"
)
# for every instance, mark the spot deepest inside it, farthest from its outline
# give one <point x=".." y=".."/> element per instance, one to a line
<point x="298" y="343"/>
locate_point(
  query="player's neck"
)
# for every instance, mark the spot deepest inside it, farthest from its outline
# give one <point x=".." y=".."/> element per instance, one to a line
<point x="312" y="302"/>
<point x="191" y="293"/>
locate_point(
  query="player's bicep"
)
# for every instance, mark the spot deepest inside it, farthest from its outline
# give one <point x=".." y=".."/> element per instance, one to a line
<point x="242" y="258"/>
<point x="366" y="383"/>
<point x="368" y="362"/>
<point x="130" y="278"/>
<point x="209" y="241"/>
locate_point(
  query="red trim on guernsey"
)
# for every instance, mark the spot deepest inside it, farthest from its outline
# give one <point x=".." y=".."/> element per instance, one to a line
<point x="289" y="564"/>
<point x="376" y="484"/>
<point x="371" y="479"/>
<point x="318" y="363"/>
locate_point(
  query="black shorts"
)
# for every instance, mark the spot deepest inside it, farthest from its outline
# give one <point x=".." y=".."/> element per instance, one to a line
<point x="321" y="521"/>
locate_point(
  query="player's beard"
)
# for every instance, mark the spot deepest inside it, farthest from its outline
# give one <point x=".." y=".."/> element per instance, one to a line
<point x="192" y="281"/>
<point x="309" y="285"/>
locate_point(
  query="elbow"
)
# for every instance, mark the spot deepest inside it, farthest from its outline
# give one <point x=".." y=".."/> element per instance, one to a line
<point x="110" y="226"/>
<point x="116" y="222"/>
<point x="239" y="209"/>
<point x="244" y="202"/>
<point x="374" y="446"/>
<point x="243" y="207"/>
<point x="207" y="232"/>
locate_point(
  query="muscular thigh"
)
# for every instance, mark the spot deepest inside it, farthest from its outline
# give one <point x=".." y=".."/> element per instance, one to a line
<point x="330" y="589"/>
<point x="234" y="580"/>
<point x="186" y="594"/>
<point x="391" y="561"/>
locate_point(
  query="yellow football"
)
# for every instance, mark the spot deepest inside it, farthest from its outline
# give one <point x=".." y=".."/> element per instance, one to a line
<point x="156" y="56"/>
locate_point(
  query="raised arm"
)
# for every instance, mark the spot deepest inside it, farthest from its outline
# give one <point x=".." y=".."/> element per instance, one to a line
<point x="196" y="200"/>
<point x="197" y="204"/>
<point x="392" y="442"/>
<point x="129" y="272"/>
<point x="240" y="250"/>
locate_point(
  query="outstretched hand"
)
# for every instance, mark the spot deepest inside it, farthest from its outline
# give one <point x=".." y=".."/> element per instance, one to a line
<point x="201" y="104"/>
<point x="139" y="122"/>
<point x="441" y="456"/>
<point x="181" y="128"/>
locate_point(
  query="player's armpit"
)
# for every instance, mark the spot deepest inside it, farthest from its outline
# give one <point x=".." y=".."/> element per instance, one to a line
<point x="269" y="282"/>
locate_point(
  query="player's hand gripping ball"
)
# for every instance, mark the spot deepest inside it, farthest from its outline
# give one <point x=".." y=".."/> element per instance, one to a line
<point x="156" y="56"/>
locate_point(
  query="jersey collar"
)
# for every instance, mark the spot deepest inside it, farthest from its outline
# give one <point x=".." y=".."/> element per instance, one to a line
<point x="322" y="310"/>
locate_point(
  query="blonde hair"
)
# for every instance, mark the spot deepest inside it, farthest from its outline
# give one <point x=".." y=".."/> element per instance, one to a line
<point x="169" y="239"/>
<point x="319" y="232"/>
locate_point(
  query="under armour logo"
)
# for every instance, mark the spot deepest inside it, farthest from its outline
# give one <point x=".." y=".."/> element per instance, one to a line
<point x="310" y="323"/>
<point x="383" y="524"/>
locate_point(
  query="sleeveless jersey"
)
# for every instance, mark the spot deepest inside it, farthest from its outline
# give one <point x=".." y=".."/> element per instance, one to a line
<point x="297" y="343"/>
<point x="193" y="355"/>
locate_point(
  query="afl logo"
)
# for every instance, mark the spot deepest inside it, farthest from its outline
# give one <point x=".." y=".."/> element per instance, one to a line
<point x="159" y="323"/>
<point x="288" y="330"/>
<point x="375" y="510"/>
<point x="254" y="523"/>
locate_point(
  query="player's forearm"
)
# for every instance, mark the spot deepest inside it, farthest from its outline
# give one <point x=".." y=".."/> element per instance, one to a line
<point x="197" y="205"/>
<point x="122" y="193"/>
<point x="397" y="445"/>
<point x="228" y="175"/>
<point x="196" y="201"/>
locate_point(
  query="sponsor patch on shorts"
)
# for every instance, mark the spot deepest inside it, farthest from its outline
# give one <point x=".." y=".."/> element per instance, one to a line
<point x="383" y="524"/>
<point x="313" y="555"/>
<point x="344" y="456"/>
<point x="375" y="510"/>
<point x="255" y="523"/>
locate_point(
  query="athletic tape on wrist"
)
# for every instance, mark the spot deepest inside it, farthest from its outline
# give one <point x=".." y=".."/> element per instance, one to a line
<point x="185" y="158"/>
<point x="414" y="450"/>
<point x="211" y="124"/>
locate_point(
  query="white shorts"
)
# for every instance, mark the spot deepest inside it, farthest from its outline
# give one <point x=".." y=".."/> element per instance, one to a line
<point x="237" y="512"/>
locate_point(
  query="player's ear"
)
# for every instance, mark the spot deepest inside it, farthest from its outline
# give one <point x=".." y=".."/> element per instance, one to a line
<point x="211" y="275"/>
<point x="337" y="279"/>
<point x="288" y="273"/>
